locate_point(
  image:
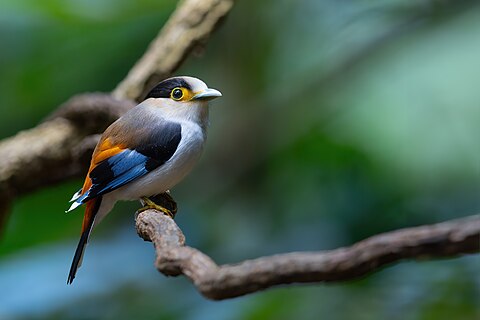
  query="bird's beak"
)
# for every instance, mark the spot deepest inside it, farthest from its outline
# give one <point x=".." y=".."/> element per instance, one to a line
<point x="207" y="94"/>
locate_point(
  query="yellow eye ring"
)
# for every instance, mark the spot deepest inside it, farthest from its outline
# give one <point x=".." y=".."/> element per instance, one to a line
<point x="176" y="94"/>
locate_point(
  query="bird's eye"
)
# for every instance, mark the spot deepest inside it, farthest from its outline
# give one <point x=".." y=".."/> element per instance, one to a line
<point x="177" y="94"/>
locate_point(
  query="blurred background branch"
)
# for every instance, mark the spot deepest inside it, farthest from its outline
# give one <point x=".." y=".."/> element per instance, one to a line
<point x="57" y="142"/>
<point x="187" y="29"/>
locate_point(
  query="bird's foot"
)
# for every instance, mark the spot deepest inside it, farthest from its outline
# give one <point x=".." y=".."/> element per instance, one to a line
<point x="165" y="200"/>
<point x="162" y="202"/>
<point x="152" y="205"/>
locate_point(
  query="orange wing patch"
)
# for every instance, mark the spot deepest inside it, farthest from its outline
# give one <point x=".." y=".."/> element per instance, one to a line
<point x="104" y="150"/>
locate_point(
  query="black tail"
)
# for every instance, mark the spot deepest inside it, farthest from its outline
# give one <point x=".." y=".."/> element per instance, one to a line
<point x="88" y="219"/>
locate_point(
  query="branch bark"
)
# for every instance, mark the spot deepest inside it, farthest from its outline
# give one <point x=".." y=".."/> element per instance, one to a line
<point x="67" y="137"/>
<point x="188" y="28"/>
<point x="173" y="257"/>
<point x="59" y="142"/>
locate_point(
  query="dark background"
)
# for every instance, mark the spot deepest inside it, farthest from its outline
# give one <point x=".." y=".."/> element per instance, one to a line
<point x="340" y="120"/>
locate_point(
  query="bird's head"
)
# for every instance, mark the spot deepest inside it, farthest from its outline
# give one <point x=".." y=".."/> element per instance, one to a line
<point x="183" y="97"/>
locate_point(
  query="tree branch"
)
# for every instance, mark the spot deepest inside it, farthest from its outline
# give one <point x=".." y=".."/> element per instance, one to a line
<point x="188" y="27"/>
<point x="56" y="143"/>
<point x="173" y="258"/>
<point x="67" y="137"/>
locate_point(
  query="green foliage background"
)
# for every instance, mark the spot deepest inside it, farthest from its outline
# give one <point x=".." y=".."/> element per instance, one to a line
<point x="340" y="120"/>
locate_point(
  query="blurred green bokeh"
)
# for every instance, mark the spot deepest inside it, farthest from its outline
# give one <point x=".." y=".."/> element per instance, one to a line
<point x="340" y="120"/>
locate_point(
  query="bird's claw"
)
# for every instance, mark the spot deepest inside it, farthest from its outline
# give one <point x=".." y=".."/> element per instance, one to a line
<point x="166" y="200"/>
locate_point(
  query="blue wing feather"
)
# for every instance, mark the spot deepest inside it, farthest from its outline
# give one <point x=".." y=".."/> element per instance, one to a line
<point x="117" y="171"/>
<point x="113" y="173"/>
<point x="130" y="164"/>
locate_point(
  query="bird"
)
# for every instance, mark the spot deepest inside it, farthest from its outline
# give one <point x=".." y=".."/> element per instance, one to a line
<point x="146" y="152"/>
